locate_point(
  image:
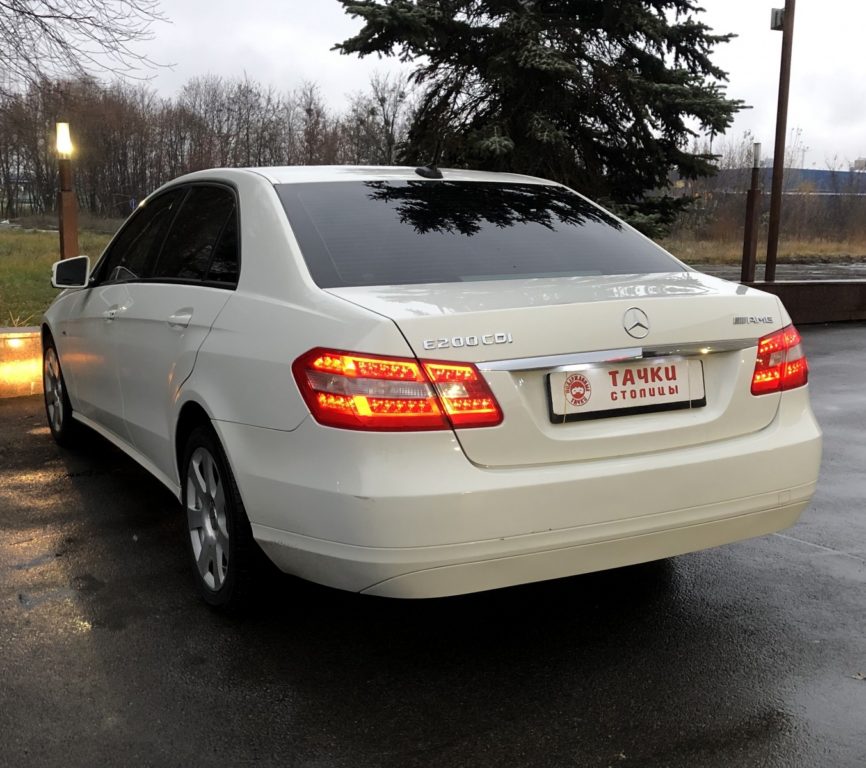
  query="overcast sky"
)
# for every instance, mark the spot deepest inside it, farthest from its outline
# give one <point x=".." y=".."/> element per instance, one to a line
<point x="284" y="42"/>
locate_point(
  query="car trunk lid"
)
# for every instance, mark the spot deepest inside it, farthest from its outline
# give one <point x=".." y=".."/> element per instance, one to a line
<point x="542" y="343"/>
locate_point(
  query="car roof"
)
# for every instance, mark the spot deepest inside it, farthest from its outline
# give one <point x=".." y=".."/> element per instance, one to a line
<point x="302" y="174"/>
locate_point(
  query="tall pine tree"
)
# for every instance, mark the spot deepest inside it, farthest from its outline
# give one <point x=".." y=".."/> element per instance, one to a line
<point x="601" y="95"/>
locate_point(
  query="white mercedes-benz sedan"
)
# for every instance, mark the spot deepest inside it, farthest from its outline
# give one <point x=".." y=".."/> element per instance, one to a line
<point x="416" y="383"/>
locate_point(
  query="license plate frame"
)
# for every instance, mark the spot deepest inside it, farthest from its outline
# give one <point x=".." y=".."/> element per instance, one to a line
<point x="688" y="376"/>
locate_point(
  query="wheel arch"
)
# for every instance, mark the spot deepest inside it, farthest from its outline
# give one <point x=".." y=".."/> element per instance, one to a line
<point x="192" y="414"/>
<point x="45" y="333"/>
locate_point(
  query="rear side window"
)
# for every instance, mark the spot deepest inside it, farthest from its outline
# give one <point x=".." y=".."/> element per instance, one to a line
<point x="405" y="232"/>
<point x="204" y="231"/>
<point x="225" y="264"/>
<point x="132" y="252"/>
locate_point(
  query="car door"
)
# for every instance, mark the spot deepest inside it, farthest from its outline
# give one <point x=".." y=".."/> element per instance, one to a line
<point x="89" y="335"/>
<point x="169" y="315"/>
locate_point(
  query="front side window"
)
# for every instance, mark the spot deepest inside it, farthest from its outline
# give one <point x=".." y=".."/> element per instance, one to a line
<point x="131" y="254"/>
<point x="203" y="238"/>
<point x="355" y="233"/>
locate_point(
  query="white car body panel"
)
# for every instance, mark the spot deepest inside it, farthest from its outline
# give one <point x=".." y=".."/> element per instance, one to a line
<point x="87" y="347"/>
<point x="417" y="514"/>
<point x="261" y="391"/>
<point x="157" y="334"/>
<point x="301" y="174"/>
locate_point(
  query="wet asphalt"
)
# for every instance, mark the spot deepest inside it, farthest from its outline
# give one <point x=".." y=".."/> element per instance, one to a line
<point x="752" y="654"/>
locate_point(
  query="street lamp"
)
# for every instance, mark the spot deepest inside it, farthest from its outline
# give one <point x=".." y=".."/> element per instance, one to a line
<point x="66" y="205"/>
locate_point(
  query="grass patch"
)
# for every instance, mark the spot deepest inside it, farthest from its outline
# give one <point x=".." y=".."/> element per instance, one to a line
<point x="87" y="222"/>
<point x="25" y="271"/>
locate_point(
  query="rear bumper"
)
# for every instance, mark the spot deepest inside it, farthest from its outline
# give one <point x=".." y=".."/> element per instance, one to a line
<point x="479" y="566"/>
<point x="409" y="516"/>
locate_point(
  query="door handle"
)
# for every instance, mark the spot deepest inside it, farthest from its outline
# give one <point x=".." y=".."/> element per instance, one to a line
<point x="180" y="319"/>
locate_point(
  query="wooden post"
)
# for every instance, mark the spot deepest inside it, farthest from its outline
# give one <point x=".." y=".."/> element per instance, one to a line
<point x="68" y="210"/>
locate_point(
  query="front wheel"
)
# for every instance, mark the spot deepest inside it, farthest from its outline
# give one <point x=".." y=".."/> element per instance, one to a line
<point x="64" y="429"/>
<point x="224" y="554"/>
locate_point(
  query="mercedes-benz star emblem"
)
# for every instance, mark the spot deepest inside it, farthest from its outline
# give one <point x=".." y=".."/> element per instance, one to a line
<point x="636" y="323"/>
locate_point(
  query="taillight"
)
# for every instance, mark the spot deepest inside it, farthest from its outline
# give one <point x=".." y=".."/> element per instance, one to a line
<point x="352" y="391"/>
<point x="781" y="363"/>
<point x="464" y="394"/>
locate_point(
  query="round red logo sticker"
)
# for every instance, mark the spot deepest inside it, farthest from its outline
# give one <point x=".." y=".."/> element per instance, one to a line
<point x="577" y="389"/>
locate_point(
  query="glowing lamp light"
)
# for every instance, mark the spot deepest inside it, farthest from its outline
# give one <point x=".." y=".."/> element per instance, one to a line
<point x="64" y="140"/>
<point x="20" y="363"/>
<point x="352" y="391"/>
<point x="20" y="372"/>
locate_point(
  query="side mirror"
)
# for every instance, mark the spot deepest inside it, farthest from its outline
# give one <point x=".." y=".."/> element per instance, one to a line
<point x="71" y="273"/>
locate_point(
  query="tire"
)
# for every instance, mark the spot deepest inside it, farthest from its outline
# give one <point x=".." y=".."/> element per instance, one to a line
<point x="224" y="556"/>
<point x="64" y="429"/>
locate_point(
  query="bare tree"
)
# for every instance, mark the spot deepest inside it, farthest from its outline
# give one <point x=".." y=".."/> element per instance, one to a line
<point x="46" y="38"/>
<point x="377" y="121"/>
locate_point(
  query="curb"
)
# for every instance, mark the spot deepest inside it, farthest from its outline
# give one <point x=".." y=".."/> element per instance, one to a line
<point x="20" y="361"/>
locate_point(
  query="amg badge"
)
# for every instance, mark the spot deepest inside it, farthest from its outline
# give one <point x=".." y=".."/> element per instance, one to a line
<point x="754" y="320"/>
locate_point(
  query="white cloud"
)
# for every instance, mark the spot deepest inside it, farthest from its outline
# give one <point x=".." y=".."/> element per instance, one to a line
<point x="276" y="42"/>
<point x="828" y="88"/>
<point x="284" y="42"/>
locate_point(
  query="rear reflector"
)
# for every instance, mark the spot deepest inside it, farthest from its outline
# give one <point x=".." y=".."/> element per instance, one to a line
<point x="781" y="363"/>
<point x="352" y="391"/>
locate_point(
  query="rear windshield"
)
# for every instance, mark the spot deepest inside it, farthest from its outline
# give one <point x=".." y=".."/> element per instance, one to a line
<point x="356" y="233"/>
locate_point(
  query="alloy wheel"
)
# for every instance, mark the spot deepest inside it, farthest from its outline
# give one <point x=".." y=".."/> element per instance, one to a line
<point x="206" y="518"/>
<point x="53" y="387"/>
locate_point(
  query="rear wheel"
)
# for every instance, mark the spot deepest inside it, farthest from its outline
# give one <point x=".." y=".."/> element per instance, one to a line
<point x="224" y="554"/>
<point x="64" y="429"/>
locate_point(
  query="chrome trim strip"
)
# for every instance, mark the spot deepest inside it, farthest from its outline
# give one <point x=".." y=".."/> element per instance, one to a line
<point x="565" y="362"/>
<point x="706" y="348"/>
<point x="556" y="361"/>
